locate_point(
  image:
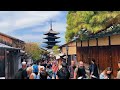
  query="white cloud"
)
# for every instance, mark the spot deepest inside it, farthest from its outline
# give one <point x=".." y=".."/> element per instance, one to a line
<point x="11" y="21"/>
<point x="29" y="37"/>
<point x="23" y="19"/>
<point x="35" y="18"/>
<point x="58" y="27"/>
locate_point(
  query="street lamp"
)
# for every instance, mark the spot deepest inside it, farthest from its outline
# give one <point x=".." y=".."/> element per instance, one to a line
<point x="66" y="54"/>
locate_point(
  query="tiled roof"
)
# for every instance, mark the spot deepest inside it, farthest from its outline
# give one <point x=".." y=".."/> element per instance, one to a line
<point x="51" y="31"/>
<point x="6" y="46"/>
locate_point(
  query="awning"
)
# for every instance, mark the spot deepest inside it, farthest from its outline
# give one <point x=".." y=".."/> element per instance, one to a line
<point x="7" y="47"/>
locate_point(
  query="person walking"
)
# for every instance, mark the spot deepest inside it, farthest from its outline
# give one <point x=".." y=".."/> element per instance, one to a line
<point x="106" y="74"/>
<point x="43" y="74"/>
<point x="118" y="73"/>
<point x="80" y="72"/>
<point x="54" y="69"/>
<point x="35" y="68"/>
<point x="35" y="73"/>
<point x="93" y="70"/>
<point x="72" y="69"/>
<point x="29" y="72"/>
<point x="63" y="73"/>
<point x="22" y="73"/>
<point x="49" y="71"/>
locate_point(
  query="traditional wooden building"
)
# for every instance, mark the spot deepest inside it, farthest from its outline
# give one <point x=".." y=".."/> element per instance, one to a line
<point x="105" y="50"/>
<point x="71" y="51"/>
<point x="10" y="55"/>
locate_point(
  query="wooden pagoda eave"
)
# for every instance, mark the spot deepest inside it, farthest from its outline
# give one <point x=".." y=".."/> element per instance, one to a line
<point x="51" y="33"/>
<point x="51" y="42"/>
<point x="51" y="37"/>
<point x="49" y="46"/>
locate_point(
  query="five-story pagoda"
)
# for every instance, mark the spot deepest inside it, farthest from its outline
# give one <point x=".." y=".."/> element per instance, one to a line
<point x="51" y="38"/>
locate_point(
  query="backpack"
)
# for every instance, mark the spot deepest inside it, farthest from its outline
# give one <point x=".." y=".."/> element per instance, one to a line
<point x="50" y="73"/>
<point x="18" y="75"/>
<point x="35" y="68"/>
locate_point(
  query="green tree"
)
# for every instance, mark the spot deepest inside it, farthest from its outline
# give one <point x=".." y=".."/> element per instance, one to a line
<point x="92" y="21"/>
<point x="55" y="49"/>
<point x="33" y="49"/>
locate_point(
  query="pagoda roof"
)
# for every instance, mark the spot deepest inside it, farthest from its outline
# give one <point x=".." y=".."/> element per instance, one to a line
<point x="51" y="32"/>
<point x="49" y="46"/>
<point x="51" y="37"/>
<point x="52" y="42"/>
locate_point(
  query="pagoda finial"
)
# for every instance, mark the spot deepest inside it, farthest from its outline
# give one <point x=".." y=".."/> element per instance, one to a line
<point x="51" y="21"/>
<point x="50" y="24"/>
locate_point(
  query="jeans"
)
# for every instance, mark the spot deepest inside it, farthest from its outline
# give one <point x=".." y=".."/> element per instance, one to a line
<point x="54" y="74"/>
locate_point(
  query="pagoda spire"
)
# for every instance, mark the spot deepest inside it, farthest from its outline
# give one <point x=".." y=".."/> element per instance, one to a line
<point x="50" y="24"/>
<point x="51" y="21"/>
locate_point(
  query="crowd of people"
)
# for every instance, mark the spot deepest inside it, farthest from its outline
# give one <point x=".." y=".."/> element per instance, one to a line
<point x="53" y="70"/>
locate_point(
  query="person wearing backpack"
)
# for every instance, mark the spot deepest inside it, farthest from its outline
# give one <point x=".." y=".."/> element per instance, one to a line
<point x="72" y="69"/>
<point x="35" y="68"/>
<point x="49" y="71"/>
<point x="63" y="73"/>
<point x="22" y="73"/>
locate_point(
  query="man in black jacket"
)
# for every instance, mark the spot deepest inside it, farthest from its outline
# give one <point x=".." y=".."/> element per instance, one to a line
<point x="63" y="73"/>
<point x="22" y="73"/>
<point x="80" y="72"/>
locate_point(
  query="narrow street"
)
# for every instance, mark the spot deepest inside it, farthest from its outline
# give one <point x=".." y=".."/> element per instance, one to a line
<point x="60" y="45"/>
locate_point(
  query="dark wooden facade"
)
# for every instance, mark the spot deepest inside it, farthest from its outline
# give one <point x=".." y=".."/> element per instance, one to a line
<point x="105" y="50"/>
<point x="9" y="57"/>
<point x="11" y="41"/>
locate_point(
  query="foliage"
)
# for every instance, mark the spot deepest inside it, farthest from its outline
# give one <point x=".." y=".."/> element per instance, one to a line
<point x="92" y="21"/>
<point x="55" y="49"/>
<point x="33" y="49"/>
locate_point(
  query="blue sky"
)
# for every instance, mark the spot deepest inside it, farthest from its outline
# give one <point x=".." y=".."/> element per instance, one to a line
<point x="31" y="25"/>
